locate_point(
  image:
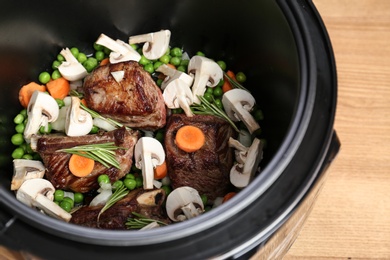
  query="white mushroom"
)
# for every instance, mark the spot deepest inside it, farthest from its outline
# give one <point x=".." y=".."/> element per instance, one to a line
<point x="184" y="203"/>
<point x="78" y="121"/>
<point x="173" y="74"/>
<point x="59" y="124"/>
<point x="26" y="170"/>
<point x="178" y="95"/>
<point x="148" y="153"/>
<point x="248" y="159"/>
<point x="40" y="193"/>
<point x="41" y="110"/>
<point x="237" y="104"/>
<point x="120" y="51"/>
<point x="156" y="43"/>
<point x="207" y="73"/>
<point x="71" y="69"/>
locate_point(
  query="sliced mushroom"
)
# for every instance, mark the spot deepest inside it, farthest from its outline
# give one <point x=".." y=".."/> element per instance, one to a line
<point x="156" y="43"/>
<point x="59" y="124"/>
<point x="26" y="170"/>
<point x="178" y="95"/>
<point x="237" y="104"/>
<point x="173" y="74"/>
<point x="120" y="51"/>
<point x="40" y="193"/>
<point x="71" y="69"/>
<point x="78" y="121"/>
<point x="41" y="110"/>
<point x="184" y="203"/>
<point x="148" y="153"/>
<point x="151" y="226"/>
<point x="248" y="160"/>
<point x="207" y="73"/>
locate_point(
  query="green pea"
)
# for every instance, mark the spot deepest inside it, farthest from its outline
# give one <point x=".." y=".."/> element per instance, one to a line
<point x="160" y="136"/>
<point x="56" y="74"/>
<point x="209" y="90"/>
<point x="59" y="195"/>
<point x="99" y="55"/>
<point x="130" y="183"/>
<point x="103" y="179"/>
<point x="157" y="64"/>
<point x="159" y="82"/>
<point x="175" y="61"/>
<point x="60" y="58"/>
<point x="184" y="63"/>
<point x="167" y="189"/>
<point x="24" y="147"/>
<point x="134" y="46"/>
<point x="218" y="103"/>
<point x="165" y="59"/>
<point x="106" y="50"/>
<point x="176" y="52"/>
<point x="222" y="64"/>
<point x="44" y="77"/>
<point x="217" y="91"/>
<point x="74" y="51"/>
<point x="117" y="184"/>
<point x="45" y="129"/>
<point x="60" y="102"/>
<point x="94" y="129"/>
<point x="17" y="139"/>
<point x="168" y="52"/>
<point x="98" y="47"/>
<point x="18" y="153"/>
<point x="204" y="199"/>
<point x="240" y="77"/>
<point x="208" y="96"/>
<point x="78" y="197"/>
<point x="23" y="112"/>
<point x="177" y="110"/>
<point x="258" y="114"/>
<point x="130" y="176"/>
<point x="220" y="83"/>
<point x="82" y="57"/>
<point x="56" y="64"/>
<point x="37" y="157"/>
<point x="27" y="156"/>
<point x="66" y="205"/>
<point x="144" y="60"/>
<point x="18" y="119"/>
<point x="139" y="182"/>
<point x="90" y="64"/>
<point x="181" y="68"/>
<point x="20" y="128"/>
<point x="70" y="200"/>
<point x="199" y="53"/>
<point x="149" y="68"/>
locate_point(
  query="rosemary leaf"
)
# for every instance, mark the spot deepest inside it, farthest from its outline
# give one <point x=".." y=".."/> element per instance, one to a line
<point x="95" y="114"/>
<point x="119" y="194"/>
<point x="141" y="221"/>
<point x="233" y="82"/>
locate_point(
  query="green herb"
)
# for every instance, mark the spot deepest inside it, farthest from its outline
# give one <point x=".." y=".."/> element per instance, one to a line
<point x="234" y="83"/>
<point x="141" y="221"/>
<point x="75" y="93"/>
<point x="95" y="114"/>
<point x="103" y="153"/>
<point x="119" y="194"/>
<point x="207" y="108"/>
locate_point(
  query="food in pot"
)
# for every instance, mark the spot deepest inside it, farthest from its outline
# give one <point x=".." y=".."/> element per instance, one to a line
<point x="139" y="135"/>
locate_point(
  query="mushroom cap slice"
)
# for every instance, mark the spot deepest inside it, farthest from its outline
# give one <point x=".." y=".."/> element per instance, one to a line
<point x="173" y="74"/>
<point x="40" y="193"/>
<point x="26" y="170"/>
<point x="71" y="69"/>
<point x="237" y="104"/>
<point x="78" y="121"/>
<point x="155" y="44"/>
<point x="207" y="73"/>
<point x="177" y="94"/>
<point x="120" y="51"/>
<point x="148" y="153"/>
<point x="184" y="203"/>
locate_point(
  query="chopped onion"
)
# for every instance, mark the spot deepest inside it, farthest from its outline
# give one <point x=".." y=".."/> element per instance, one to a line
<point x="157" y="184"/>
<point x="118" y="75"/>
<point x="102" y="198"/>
<point x="103" y="124"/>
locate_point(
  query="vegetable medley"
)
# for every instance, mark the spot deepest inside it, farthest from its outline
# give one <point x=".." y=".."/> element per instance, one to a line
<point x="190" y="86"/>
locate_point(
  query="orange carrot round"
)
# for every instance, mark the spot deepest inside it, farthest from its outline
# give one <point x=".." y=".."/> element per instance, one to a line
<point x="189" y="138"/>
<point x="160" y="171"/>
<point x="228" y="196"/>
<point x="58" y="88"/>
<point x="27" y="90"/>
<point x="80" y="166"/>
<point x="105" y="61"/>
<point x="226" y="85"/>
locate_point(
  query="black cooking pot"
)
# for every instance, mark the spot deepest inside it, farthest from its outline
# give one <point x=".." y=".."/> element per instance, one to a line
<point x="283" y="48"/>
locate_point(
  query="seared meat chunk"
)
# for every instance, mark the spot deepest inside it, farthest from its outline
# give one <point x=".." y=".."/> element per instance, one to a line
<point x="58" y="172"/>
<point x="135" y="100"/>
<point x="207" y="169"/>
<point x="147" y="203"/>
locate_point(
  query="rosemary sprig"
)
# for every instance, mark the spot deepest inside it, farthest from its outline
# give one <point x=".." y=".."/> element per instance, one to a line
<point x="141" y="221"/>
<point x="233" y="82"/>
<point x="95" y="114"/>
<point x="103" y="153"/>
<point x="207" y="108"/>
<point x="118" y="194"/>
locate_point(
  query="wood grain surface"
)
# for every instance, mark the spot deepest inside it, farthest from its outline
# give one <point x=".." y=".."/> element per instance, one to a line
<point x="351" y="218"/>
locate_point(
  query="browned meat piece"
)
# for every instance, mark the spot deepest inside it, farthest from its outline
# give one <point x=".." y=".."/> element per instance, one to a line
<point x="136" y="101"/>
<point x="206" y="170"/>
<point x="57" y="162"/>
<point x="147" y="203"/>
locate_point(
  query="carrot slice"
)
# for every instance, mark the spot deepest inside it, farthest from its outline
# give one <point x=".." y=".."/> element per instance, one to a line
<point x="228" y="196"/>
<point x="226" y="85"/>
<point x="189" y="138"/>
<point x="80" y="166"/>
<point x="160" y="171"/>
<point x="105" y="61"/>
<point x="27" y="90"/>
<point x="58" y="88"/>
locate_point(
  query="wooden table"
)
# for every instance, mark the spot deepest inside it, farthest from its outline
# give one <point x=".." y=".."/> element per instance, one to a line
<point x="351" y="218"/>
